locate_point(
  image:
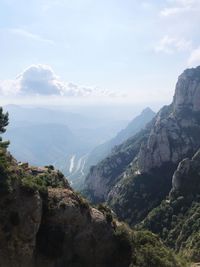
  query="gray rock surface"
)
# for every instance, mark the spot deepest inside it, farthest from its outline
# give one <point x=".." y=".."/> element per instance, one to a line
<point x="187" y="94"/>
<point x="186" y="179"/>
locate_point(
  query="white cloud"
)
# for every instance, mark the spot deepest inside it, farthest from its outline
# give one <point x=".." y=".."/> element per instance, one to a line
<point x="170" y="45"/>
<point x="41" y="80"/>
<point x="180" y="6"/>
<point x="29" y="35"/>
<point x="9" y="87"/>
<point x="194" y="59"/>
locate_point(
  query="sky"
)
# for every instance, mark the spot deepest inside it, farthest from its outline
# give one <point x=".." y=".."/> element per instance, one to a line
<point x="111" y="50"/>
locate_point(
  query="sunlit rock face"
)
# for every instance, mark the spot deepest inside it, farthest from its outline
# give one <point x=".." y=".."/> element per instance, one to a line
<point x="187" y="94"/>
<point x="177" y="127"/>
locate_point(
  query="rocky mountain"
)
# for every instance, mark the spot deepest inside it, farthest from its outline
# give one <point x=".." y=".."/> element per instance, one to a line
<point x="103" y="150"/>
<point x="45" y="223"/>
<point x="137" y="176"/>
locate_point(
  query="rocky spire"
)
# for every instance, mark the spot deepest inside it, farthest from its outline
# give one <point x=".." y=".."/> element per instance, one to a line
<point x="175" y="133"/>
<point x="187" y="94"/>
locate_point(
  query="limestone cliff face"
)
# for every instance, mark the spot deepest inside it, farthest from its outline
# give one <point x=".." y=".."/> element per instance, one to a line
<point x="171" y="136"/>
<point x="186" y="179"/>
<point x="187" y="93"/>
<point x="177" y="127"/>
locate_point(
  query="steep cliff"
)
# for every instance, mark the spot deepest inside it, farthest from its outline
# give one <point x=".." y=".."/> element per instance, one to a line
<point x="141" y="178"/>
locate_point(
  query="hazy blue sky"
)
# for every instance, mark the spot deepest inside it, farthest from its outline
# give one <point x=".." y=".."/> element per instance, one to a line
<point x="124" y="48"/>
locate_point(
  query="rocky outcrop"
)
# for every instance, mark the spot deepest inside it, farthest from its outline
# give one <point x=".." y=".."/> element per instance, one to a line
<point x="44" y="223"/>
<point x="187" y="94"/>
<point x="20" y="215"/>
<point x="73" y="234"/>
<point x="177" y="127"/>
<point x="186" y="179"/>
<point x="55" y="228"/>
<point x="172" y="138"/>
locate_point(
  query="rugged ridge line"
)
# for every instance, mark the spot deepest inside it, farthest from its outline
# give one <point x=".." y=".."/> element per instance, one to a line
<point x="133" y="187"/>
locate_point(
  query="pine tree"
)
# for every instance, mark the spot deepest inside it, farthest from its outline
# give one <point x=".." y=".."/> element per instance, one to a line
<point x="3" y="120"/>
<point x="3" y="123"/>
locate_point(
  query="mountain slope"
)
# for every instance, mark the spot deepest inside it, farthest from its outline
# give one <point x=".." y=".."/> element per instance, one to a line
<point x="137" y="176"/>
<point x="103" y="150"/>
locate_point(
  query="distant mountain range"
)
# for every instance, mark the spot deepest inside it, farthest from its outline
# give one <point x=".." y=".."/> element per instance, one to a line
<point x="53" y="136"/>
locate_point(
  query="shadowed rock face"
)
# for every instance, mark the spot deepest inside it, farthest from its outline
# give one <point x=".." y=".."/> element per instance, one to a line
<point x="20" y="215"/>
<point x="73" y="234"/>
<point x="55" y="230"/>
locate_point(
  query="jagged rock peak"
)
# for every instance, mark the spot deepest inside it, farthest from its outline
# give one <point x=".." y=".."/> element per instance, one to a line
<point x="187" y="94"/>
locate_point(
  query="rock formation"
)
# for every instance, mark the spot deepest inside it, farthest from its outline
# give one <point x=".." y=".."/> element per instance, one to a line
<point x="177" y="127"/>
<point x="138" y="174"/>
<point x="176" y="220"/>
<point x="186" y="179"/>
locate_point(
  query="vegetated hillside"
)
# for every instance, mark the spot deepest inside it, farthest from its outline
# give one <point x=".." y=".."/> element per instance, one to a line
<point x="177" y="218"/>
<point x="45" y="223"/>
<point x="137" y="176"/>
<point x="103" y="150"/>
